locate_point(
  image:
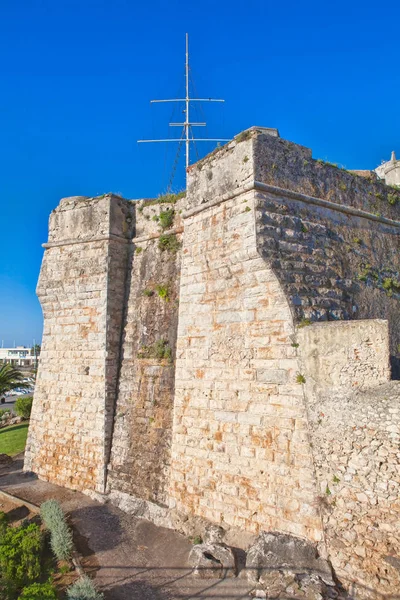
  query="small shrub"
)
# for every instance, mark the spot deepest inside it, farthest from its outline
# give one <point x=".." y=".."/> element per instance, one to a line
<point x="61" y="542"/>
<point x="393" y="199"/>
<point x="60" y="534"/>
<point x="162" y="291"/>
<point x="166" y="218"/>
<point x="300" y="378"/>
<point x="197" y="540"/>
<point x="155" y="218"/>
<point x="245" y="159"/>
<point x="391" y="285"/>
<point x="328" y="491"/>
<point x="343" y="187"/>
<point x="170" y="198"/>
<point x="4" y="411"/>
<point x="3" y="523"/>
<point x="38" y="591"/>
<point x="335" y="479"/>
<point x="138" y="249"/>
<point x="245" y="135"/>
<point x="20" y="555"/>
<point x="304" y="323"/>
<point x="23" y="406"/>
<point x="83" y="589"/>
<point x="148" y="293"/>
<point x="295" y="345"/>
<point x="51" y="514"/>
<point x="357" y="241"/>
<point x="169" y="242"/>
<point x="159" y="350"/>
<point x="247" y="209"/>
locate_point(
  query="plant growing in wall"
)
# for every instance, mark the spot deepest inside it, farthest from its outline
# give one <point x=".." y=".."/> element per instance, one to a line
<point x="166" y="218"/>
<point x="169" y="243"/>
<point x="304" y="323"/>
<point x="160" y="350"/>
<point x="162" y="291"/>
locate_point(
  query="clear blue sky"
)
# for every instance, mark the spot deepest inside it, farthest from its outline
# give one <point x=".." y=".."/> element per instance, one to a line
<point x="76" y="78"/>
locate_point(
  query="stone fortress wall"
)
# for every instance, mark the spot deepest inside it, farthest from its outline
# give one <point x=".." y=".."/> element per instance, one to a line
<point x="219" y="361"/>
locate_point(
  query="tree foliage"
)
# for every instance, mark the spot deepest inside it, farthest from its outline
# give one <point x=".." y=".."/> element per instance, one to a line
<point x="10" y="378"/>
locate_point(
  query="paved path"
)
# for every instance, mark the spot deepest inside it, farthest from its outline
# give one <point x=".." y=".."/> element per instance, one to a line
<point x="131" y="559"/>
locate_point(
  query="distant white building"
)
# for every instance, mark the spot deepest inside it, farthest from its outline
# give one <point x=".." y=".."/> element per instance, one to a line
<point x="18" y="357"/>
<point x="390" y="171"/>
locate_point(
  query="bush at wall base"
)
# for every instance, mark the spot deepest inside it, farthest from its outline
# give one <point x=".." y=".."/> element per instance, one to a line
<point x="20" y="557"/>
<point x="60" y="534"/>
<point x="83" y="589"/>
<point x="23" y="406"/>
<point x="38" y="591"/>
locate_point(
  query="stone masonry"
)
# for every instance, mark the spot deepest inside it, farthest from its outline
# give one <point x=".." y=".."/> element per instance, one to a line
<point x="225" y="357"/>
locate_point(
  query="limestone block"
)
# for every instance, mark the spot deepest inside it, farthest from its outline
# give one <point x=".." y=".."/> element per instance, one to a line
<point x="212" y="561"/>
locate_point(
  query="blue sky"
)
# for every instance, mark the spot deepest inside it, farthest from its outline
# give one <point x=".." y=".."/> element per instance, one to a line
<point x="76" y="78"/>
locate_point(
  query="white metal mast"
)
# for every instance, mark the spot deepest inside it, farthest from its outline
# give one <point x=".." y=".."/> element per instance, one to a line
<point x="187" y="124"/>
<point x="187" y="101"/>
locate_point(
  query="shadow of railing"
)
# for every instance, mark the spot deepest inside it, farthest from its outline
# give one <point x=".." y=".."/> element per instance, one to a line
<point x="177" y="583"/>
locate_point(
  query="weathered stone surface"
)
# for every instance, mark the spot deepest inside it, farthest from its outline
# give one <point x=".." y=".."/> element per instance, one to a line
<point x="356" y="454"/>
<point x="285" y="584"/>
<point x="81" y="289"/>
<point x="275" y="552"/>
<point x="345" y="355"/>
<point x="144" y="407"/>
<point x="212" y="560"/>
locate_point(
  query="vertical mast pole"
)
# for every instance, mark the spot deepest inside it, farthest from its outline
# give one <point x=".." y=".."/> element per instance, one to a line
<point x="187" y="101"/>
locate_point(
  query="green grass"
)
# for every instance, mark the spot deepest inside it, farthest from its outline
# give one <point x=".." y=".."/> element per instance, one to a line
<point x="13" y="439"/>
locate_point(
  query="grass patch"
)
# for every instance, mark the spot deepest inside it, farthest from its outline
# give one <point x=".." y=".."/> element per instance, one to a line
<point x="245" y="135"/>
<point x="160" y="350"/>
<point x="166" y="218"/>
<point x="169" y="242"/>
<point x="304" y="323"/>
<point x="13" y="439"/>
<point x="162" y="291"/>
<point x="164" y="199"/>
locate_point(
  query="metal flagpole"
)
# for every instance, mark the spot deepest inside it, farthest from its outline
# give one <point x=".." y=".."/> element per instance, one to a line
<point x="187" y="124"/>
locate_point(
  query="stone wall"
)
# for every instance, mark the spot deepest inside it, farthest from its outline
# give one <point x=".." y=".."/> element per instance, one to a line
<point x="140" y="458"/>
<point x="354" y="419"/>
<point x="180" y="371"/>
<point x="345" y="354"/>
<point x="81" y="290"/>
<point x="240" y="455"/>
<point x="356" y="453"/>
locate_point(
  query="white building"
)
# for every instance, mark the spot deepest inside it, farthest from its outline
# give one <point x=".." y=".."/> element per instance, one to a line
<point x="19" y="356"/>
<point x="390" y="171"/>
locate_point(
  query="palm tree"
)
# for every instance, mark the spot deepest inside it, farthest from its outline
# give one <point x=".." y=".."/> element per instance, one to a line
<point x="10" y="378"/>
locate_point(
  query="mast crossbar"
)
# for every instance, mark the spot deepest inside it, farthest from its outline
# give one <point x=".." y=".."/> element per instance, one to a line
<point x="186" y="132"/>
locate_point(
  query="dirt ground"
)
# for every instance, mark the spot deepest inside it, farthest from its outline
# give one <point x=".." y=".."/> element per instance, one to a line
<point x="129" y="558"/>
